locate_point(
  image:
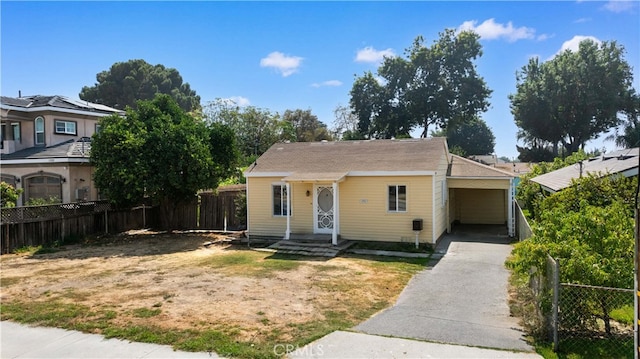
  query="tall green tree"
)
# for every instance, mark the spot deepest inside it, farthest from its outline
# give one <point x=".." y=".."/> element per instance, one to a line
<point x="161" y="152"/>
<point x="473" y="137"/>
<point x="436" y="85"/>
<point x="345" y="124"/>
<point x="306" y="126"/>
<point x="574" y="97"/>
<point x="8" y="195"/>
<point x="630" y="136"/>
<point x="127" y="82"/>
<point x="256" y="129"/>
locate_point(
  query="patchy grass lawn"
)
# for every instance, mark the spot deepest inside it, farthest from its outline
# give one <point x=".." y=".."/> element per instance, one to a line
<point x="171" y="289"/>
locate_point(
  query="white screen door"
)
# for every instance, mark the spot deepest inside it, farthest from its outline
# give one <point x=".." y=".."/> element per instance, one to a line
<point x="323" y="209"/>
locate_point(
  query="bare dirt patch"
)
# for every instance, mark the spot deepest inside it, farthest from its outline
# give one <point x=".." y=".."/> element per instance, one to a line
<point x="177" y="283"/>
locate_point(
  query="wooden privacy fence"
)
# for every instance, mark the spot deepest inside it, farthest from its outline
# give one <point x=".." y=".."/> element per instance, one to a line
<point x="46" y="225"/>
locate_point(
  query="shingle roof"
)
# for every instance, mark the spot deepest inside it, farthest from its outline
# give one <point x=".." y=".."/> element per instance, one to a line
<point x="616" y="162"/>
<point x="462" y="167"/>
<point x="67" y="149"/>
<point x="348" y="156"/>
<point x="61" y="102"/>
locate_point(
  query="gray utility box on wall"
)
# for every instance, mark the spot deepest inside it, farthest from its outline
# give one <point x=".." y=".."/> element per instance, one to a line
<point x="417" y="224"/>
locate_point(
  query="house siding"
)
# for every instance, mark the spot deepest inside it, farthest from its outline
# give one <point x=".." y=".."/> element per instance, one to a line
<point x="363" y="208"/>
<point x="479" y="183"/>
<point x="480" y="206"/>
<point x="261" y="221"/>
<point x="364" y="211"/>
<point x="440" y="203"/>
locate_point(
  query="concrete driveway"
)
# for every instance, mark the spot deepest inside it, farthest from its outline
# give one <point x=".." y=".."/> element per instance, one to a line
<point x="461" y="300"/>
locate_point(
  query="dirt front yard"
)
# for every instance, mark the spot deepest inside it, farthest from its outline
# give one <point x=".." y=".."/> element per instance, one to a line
<point x="173" y="289"/>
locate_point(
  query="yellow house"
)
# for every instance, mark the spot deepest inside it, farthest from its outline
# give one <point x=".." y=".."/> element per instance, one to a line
<point x="45" y="144"/>
<point x="372" y="190"/>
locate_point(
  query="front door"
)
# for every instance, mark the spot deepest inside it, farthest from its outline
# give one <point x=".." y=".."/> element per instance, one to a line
<point x="323" y="209"/>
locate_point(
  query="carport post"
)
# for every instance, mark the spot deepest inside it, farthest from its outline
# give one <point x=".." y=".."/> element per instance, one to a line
<point x="510" y="209"/>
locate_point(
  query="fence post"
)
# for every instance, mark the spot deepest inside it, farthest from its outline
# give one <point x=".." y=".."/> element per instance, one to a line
<point x="555" y="275"/>
<point x="106" y="222"/>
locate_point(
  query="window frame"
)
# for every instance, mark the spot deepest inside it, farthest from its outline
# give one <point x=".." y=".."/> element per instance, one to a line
<point x="397" y="201"/>
<point x="36" y="132"/>
<point x="282" y="199"/>
<point x="15" y="125"/>
<point x="66" y="129"/>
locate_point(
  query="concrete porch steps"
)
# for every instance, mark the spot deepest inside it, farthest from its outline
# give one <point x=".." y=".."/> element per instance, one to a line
<point x="317" y="248"/>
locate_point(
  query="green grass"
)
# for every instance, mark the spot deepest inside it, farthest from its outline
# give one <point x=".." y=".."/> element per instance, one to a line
<point x="588" y="349"/>
<point x="250" y="263"/>
<point x="146" y="312"/>
<point x="623" y="315"/>
<point x="393" y="246"/>
<point x="56" y="311"/>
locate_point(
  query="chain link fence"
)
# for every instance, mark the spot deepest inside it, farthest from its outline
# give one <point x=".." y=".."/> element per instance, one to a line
<point x="596" y="321"/>
<point x="598" y="317"/>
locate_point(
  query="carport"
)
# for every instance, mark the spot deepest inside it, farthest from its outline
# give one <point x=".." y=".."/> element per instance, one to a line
<point x="479" y="194"/>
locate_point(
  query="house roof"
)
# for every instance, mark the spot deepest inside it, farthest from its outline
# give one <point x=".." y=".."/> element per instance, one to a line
<point x="335" y="159"/>
<point x="460" y="167"/>
<point x="624" y="162"/>
<point x="57" y="102"/>
<point x="66" y="150"/>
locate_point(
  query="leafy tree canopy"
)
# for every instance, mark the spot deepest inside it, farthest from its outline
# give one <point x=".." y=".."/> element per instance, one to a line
<point x="473" y="137"/>
<point x="529" y="192"/>
<point x="255" y="129"/>
<point x="436" y="85"/>
<point x="307" y="126"/>
<point x="345" y="125"/>
<point x="589" y="229"/>
<point x="8" y="195"/>
<point x="127" y="82"/>
<point x="159" y="151"/>
<point x="572" y="98"/>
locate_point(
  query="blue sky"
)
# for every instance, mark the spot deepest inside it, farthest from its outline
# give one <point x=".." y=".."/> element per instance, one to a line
<point x="289" y="55"/>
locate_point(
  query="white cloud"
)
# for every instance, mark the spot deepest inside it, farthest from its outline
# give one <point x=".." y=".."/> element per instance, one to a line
<point x="582" y="20"/>
<point x="236" y="101"/>
<point x="618" y="6"/>
<point x="491" y="30"/>
<point x="544" y="37"/>
<point x="286" y="65"/>
<point x="369" y="54"/>
<point x="330" y="83"/>
<point x="574" y="43"/>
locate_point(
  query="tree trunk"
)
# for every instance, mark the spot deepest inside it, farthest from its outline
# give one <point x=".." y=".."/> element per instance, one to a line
<point x="605" y="315"/>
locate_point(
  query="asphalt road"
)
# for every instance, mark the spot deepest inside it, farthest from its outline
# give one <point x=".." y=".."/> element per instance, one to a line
<point x="461" y="300"/>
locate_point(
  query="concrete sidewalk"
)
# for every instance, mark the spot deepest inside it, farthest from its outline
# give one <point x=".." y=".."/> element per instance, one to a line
<point x="22" y="341"/>
<point x="357" y="345"/>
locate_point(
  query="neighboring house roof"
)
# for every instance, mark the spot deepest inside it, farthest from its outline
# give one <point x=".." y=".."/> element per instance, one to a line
<point x="516" y="168"/>
<point x="486" y="159"/>
<point x="624" y="162"/>
<point x="73" y="151"/>
<point x="55" y="103"/>
<point x="460" y="167"/>
<point x="333" y="160"/>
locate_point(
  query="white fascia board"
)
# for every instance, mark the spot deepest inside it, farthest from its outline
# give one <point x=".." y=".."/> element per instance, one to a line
<point x="481" y="178"/>
<point x="33" y="161"/>
<point x="58" y="109"/>
<point x="390" y="173"/>
<point x="548" y="189"/>
<point x="266" y="174"/>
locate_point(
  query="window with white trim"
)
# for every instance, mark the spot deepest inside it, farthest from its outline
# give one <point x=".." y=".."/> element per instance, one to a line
<point x="397" y="198"/>
<point x="66" y="127"/>
<point x="280" y="200"/>
<point x="15" y="128"/>
<point x="39" y="130"/>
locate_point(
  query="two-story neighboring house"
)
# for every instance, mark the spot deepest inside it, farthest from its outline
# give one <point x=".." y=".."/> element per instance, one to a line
<point x="45" y="146"/>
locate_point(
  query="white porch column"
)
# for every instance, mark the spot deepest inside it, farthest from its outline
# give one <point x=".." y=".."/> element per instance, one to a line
<point x="510" y="209"/>
<point x="336" y="215"/>
<point x="287" y="234"/>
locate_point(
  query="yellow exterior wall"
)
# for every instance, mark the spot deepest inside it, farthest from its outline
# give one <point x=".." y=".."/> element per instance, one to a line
<point x="479" y="183"/>
<point x="364" y="204"/>
<point x="363" y="208"/>
<point x="480" y="206"/>
<point x="440" y="191"/>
